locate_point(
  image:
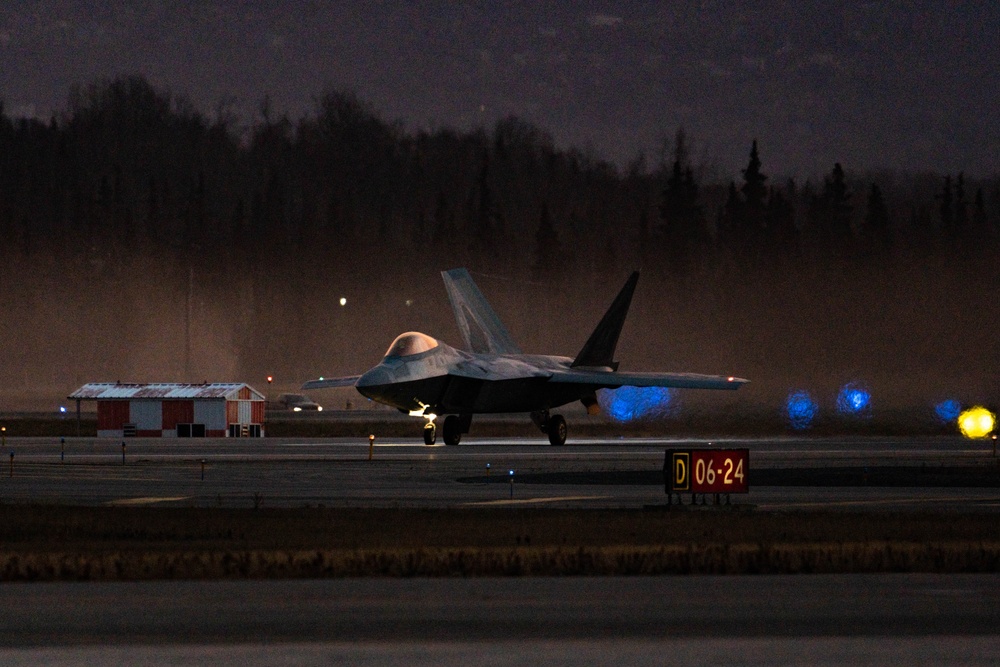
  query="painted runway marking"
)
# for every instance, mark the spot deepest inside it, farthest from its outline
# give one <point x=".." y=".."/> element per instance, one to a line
<point x="528" y="501"/>
<point x="882" y="501"/>
<point x="146" y="501"/>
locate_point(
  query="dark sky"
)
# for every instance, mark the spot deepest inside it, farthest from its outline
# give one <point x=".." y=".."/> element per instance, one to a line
<point x="911" y="85"/>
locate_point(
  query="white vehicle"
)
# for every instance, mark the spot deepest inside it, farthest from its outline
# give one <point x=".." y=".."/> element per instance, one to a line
<point x="298" y="403"/>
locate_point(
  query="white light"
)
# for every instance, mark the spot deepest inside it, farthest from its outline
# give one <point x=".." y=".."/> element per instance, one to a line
<point x="62" y="408"/>
<point x="319" y="409"/>
<point x="343" y="301"/>
<point x="296" y="409"/>
<point x="409" y="302"/>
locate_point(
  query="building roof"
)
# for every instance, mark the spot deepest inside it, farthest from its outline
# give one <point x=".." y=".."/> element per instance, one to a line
<point x="94" y="391"/>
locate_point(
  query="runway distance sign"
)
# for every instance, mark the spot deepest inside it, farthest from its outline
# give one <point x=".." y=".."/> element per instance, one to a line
<point x="707" y="470"/>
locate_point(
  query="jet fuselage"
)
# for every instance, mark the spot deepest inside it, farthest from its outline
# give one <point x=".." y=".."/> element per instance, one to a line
<point x="444" y="380"/>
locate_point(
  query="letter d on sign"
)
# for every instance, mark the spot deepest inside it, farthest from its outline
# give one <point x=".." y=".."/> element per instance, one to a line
<point x="682" y="480"/>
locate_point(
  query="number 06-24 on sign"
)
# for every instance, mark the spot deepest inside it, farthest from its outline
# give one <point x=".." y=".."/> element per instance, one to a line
<point x="707" y="470"/>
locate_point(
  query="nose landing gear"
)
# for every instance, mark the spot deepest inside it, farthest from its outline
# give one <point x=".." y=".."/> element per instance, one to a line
<point x="430" y="431"/>
<point x="430" y="428"/>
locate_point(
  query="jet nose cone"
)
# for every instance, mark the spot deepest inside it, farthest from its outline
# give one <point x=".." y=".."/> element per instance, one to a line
<point x="375" y="377"/>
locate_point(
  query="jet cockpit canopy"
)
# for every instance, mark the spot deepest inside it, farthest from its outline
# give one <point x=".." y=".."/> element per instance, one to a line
<point x="409" y="343"/>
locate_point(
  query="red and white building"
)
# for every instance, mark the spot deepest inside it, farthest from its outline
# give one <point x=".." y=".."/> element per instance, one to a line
<point x="172" y="410"/>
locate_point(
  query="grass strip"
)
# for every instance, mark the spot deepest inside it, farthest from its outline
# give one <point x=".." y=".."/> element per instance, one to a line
<point x="51" y="542"/>
<point x="862" y="557"/>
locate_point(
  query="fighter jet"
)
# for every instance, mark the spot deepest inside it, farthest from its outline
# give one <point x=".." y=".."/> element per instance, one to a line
<point x="424" y="377"/>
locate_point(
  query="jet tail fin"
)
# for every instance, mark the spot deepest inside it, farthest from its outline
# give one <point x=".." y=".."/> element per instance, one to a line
<point x="481" y="328"/>
<point x="599" y="350"/>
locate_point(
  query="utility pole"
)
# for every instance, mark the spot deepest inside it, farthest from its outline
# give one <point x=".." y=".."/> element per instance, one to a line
<point x="188" y="306"/>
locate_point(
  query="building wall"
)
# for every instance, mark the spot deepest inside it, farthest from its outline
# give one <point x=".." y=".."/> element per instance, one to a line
<point x="245" y="412"/>
<point x="112" y="415"/>
<point x="213" y="415"/>
<point x="146" y="417"/>
<point x="156" y="417"/>
<point x="159" y="418"/>
<point x="177" y="412"/>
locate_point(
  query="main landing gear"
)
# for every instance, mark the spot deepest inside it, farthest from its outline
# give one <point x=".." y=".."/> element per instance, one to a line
<point x="452" y="430"/>
<point x="455" y="426"/>
<point x="552" y="425"/>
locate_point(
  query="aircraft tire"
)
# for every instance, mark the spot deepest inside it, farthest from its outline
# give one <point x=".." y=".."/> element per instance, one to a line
<point x="556" y="428"/>
<point x="430" y="434"/>
<point x="452" y="430"/>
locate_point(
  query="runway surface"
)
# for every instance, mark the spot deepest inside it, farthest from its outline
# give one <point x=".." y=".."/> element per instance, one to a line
<point x="864" y="619"/>
<point x="855" y="619"/>
<point x="621" y="473"/>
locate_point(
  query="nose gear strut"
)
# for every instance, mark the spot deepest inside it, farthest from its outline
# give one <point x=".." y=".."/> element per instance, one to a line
<point x="430" y="428"/>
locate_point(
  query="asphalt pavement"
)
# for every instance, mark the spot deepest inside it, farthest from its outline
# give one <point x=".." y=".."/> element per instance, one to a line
<point x="621" y="473"/>
<point x="755" y="620"/>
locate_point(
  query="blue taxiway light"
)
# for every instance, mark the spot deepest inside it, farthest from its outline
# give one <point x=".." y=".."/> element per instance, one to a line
<point x="854" y="399"/>
<point x="801" y="409"/>
<point x="948" y="410"/>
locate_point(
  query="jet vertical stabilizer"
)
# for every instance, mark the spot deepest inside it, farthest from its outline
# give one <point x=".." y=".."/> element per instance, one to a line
<point x="481" y="328"/>
<point x="599" y="350"/>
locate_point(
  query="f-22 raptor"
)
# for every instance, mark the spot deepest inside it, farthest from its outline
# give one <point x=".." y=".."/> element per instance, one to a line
<point x="424" y="377"/>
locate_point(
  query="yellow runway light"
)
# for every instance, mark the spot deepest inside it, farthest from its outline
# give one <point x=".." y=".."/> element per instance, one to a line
<point x="976" y="422"/>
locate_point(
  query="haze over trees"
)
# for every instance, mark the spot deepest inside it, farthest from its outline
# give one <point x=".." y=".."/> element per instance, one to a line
<point x="131" y="218"/>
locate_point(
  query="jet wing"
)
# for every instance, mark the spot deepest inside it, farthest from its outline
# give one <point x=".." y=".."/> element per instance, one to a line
<point x="326" y="383"/>
<point x="602" y="379"/>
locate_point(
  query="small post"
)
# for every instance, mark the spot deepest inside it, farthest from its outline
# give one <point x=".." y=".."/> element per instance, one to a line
<point x="3" y="431"/>
<point x="511" y="482"/>
<point x="123" y="452"/>
<point x="12" y="464"/>
<point x="994" y="446"/>
<point x="62" y="450"/>
<point x="203" y="470"/>
<point x="371" y="445"/>
<point x="487" y="473"/>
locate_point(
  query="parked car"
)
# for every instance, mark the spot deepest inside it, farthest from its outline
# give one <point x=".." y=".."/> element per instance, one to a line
<point x="298" y="403"/>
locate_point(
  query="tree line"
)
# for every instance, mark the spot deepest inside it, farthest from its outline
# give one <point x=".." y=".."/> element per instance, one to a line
<point x="130" y="167"/>
<point x="131" y="205"/>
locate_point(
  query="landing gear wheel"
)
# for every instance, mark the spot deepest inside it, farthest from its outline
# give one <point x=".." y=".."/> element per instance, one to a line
<point x="556" y="428"/>
<point x="430" y="434"/>
<point x="452" y="430"/>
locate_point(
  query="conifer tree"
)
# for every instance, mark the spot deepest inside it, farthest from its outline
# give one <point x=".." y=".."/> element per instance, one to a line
<point x="961" y="206"/>
<point x="682" y="231"/>
<point x="979" y="212"/>
<point x="830" y="214"/>
<point x="754" y="191"/>
<point x="876" y="224"/>
<point x="947" y="215"/>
